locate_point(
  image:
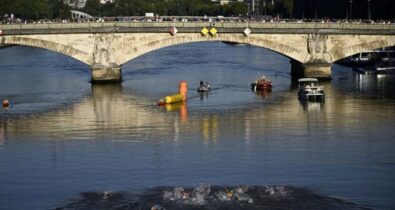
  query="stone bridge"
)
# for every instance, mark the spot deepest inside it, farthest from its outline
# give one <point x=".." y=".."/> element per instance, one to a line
<point x="312" y="47"/>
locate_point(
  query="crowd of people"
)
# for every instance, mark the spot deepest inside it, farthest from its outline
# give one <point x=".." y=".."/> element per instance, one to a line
<point x="263" y="19"/>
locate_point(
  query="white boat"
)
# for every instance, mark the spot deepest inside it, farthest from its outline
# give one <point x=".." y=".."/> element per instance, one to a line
<point x="310" y="90"/>
<point x="384" y="69"/>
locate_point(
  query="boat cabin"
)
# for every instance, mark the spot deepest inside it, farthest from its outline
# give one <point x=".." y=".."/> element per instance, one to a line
<point x="308" y="82"/>
<point x="310" y="90"/>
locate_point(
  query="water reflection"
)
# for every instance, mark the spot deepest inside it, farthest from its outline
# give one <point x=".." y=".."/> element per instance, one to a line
<point x="203" y="95"/>
<point x="106" y="100"/>
<point x="105" y="112"/>
<point x="373" y="85"/>
<point x="109" y="111"/>
<point x="181" y="107"/>
<point x="209" y="128"/>
<point x="312" y="105"/>
<point x="263" y="94"/>
<point x="2" y="136"/>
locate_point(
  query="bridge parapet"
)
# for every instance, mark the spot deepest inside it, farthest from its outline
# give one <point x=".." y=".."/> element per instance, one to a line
<point x="195" y="27"/>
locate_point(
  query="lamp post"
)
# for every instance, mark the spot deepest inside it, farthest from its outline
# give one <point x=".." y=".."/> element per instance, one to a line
<point x="350" y="9"/>
<point x="369" y="11"/>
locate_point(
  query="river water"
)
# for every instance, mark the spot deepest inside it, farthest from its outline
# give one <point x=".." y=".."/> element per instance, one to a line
<point x="63" y="136"/>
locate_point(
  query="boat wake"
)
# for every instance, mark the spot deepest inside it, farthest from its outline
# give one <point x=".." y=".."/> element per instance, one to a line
<point x="206" y="197"/>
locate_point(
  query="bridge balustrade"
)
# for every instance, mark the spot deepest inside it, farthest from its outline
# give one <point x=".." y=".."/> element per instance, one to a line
<point x="219" y="25"/>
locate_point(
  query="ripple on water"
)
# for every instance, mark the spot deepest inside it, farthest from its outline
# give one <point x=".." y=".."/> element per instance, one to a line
<point x="205" y="197"/>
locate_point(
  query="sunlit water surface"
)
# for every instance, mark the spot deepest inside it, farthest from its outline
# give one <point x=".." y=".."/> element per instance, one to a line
<point x="63" y="136"/>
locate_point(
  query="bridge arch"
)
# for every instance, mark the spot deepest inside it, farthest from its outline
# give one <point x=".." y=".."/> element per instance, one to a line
<point x="372" y="43"/>
<point x="259" y="41"/>
<point x="49" y="45"/>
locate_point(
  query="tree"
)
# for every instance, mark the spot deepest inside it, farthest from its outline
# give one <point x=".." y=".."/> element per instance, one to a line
<point x="30" y="9"/>
<point x="238" y="9"/>
<point x="93" y="7"/>
<point x="4" y="7"/>
<point x="57" y="9"/>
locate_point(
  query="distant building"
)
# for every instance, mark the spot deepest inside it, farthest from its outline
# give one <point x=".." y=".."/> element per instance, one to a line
<point x="107" y="1"/>
<point x="222" y="2"/>
<point x="79" y="4"/>
<point x="76" y="3"/>
<point x="80" y="15"/>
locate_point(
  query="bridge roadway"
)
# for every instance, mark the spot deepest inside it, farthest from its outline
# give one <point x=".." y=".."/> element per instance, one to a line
<point x="105" y="46"/>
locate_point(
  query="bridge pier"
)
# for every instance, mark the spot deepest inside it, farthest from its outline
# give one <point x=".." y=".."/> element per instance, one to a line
<point x="322" y="71"/>
<point x="103" y="74"/>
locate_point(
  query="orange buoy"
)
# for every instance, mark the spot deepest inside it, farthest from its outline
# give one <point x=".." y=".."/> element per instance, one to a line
<point x="181" y="96"/>
<point x="6" y="103"/>
<point x="183" y="89"/>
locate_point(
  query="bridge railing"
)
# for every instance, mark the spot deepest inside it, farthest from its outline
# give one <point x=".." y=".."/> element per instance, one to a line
<point x="228" y="27"/>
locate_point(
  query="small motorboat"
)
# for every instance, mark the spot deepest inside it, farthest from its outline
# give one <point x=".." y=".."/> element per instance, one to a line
<point x="204" y="87"/>
<point x="261" y="83"/>
<point x="310" y="90"/>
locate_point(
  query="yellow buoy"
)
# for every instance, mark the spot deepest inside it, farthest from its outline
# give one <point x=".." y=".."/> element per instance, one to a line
<point x="6" y="103"/>
<point x="180" y="97"/>
<point x="174" y="106"/>
<point x="174" y="99"/>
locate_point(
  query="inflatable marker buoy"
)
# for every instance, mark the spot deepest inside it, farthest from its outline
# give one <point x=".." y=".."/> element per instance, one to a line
<point x="174" y="98"/>
<point x="183" y="89"/>
<point x="181" y="96"/>
<point x="6" y="103"/>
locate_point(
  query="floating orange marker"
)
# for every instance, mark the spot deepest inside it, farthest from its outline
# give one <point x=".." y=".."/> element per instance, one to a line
<point x="181" y="96"/>
<point x="183" y="89"/>
<point x="6" y="103"/>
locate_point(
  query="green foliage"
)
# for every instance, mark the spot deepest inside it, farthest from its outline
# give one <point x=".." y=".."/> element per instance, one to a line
<point x="380" y="9"/>
<point x="93" y="7"/>
<point x="58" y="10"/>
<point x="34" y="9"/>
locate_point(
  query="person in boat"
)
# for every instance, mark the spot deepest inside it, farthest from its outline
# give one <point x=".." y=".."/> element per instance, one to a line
<point x="206" y="85"/>
<point x="201" y="83"/>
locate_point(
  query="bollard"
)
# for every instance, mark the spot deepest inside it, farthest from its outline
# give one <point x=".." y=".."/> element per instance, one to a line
<point x="6" y="103"/>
